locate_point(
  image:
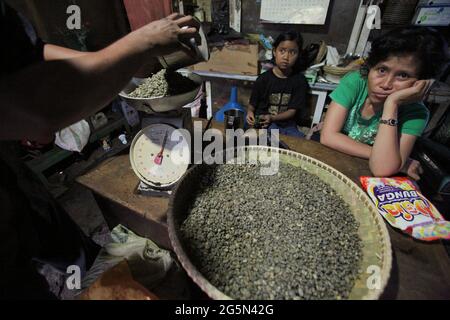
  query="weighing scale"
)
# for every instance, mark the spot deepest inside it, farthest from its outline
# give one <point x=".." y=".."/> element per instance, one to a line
<point x="156" y="159"/>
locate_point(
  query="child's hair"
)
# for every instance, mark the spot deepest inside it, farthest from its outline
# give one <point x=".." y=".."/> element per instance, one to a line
<point x="425" y="44"/>
<point x="296" y="37"/>
<point x="289" y="36"/>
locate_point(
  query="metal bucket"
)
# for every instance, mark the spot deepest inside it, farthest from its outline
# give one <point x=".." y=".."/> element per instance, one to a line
<point x="191" y="52"/>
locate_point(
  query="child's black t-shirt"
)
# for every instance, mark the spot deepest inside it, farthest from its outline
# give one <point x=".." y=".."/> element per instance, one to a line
<point x="275" y="95"/>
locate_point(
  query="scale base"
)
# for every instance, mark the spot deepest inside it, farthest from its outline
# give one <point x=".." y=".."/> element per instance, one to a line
<point x="146" y="190"/>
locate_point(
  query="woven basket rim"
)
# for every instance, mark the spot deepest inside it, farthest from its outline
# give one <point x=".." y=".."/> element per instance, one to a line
<point x="216" y="294"/>
<point x="338" y="71"/>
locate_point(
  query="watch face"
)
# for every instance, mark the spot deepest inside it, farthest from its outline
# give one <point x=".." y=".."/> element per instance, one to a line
<point x="391" y="122"/>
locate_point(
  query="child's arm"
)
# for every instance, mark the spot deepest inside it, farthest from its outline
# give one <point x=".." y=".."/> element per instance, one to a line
<point x="251" y="115"/>
<point x="332" y="137"/>
<point x="287" y="115"/>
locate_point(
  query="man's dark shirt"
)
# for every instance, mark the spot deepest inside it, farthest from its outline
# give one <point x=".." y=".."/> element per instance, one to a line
<point x="33" y="226"/>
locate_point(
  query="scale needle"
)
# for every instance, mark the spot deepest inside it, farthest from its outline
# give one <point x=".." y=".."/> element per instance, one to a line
<point x="160" y="156"/>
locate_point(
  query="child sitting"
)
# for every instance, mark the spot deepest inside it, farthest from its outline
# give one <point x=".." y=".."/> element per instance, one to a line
<point x="280" y="92"/>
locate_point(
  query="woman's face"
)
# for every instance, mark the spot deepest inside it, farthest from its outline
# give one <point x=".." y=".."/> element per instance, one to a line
<point x="286" y="54"/>
<point x="391" y="75"/>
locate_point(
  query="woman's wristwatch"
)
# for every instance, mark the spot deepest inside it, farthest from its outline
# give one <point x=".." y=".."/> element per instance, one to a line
<point x="389" y="122"/>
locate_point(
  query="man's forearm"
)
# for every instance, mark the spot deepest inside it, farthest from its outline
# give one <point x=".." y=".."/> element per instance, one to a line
<point x="53" y="52"/>
<point x="43" y="98"/>
<point x="52" y="95"/>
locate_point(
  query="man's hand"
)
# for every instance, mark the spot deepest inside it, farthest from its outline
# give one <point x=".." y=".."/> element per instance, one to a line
<point x="162" y="37"/>
<point x="250" y="117"/>
<point x="416" y="93"/>
<point x="266" y="120"/>
<point x="413" y="169"/>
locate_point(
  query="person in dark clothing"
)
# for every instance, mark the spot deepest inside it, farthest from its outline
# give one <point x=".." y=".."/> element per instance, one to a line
<point x="279" y="93"/>
<point x="34" y="229"/>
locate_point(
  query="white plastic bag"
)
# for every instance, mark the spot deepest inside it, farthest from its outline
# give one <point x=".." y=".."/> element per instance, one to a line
<point x="333" y="56"/>
<point x="151" y="266"/>
<point x="75" y="137"/>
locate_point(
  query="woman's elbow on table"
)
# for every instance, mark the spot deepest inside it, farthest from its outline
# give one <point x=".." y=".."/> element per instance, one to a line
<point x="383" y="170"/>
<point x="326" y="138"/>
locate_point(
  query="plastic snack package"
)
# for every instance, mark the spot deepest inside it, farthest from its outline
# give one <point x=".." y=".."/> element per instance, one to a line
<point x="402" y="204"/>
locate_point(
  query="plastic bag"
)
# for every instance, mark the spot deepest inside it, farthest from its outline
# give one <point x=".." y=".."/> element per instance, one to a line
<point x="75" y="137"/>
<point x="401" y="203"/>
<point x="151" y="266"/>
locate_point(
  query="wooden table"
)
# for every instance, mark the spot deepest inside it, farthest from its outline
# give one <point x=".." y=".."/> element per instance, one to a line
<point x="420" y="270"/>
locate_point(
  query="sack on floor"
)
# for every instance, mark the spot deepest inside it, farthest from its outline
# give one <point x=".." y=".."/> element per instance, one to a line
<point x="150" y="266"/>
<point x="75" y="137"/>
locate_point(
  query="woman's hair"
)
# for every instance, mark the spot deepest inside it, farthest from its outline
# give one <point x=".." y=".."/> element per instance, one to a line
<point x="427" y="46"/>
<point x="296" y="37"/>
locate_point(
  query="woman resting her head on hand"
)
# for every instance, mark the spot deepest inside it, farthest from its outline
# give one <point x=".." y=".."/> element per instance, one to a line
<point x="378" y="113"/>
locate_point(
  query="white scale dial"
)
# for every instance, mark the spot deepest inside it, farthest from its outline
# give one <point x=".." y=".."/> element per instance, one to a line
<point x="158" y="159"/>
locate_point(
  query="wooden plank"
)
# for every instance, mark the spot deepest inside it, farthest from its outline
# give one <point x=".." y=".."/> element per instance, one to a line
<point x="206" y="5"/>
<point x="115" y="180"/>
<point x="360" y="18"/>
<point x="232" y="58"/>
<point x="235" y="15"/>
<point x="363" y="37"/>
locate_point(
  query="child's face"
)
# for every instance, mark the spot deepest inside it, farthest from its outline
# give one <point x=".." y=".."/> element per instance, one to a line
<point x="286" y="54"/>
<point x="391" y="75"/>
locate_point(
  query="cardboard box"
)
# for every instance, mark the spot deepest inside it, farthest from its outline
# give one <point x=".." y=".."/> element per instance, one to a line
<point x="232" y="58"/>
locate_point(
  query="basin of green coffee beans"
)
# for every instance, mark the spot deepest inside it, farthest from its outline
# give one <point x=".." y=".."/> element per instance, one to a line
<point x="303" y="232"/>
<point x="163" y="84"/>
<point x="163" y="92"/>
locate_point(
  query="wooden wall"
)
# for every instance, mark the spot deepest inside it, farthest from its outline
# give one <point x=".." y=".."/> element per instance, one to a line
<point x="103" y="21"/>
<point x="336" y="31"/>
<point x="119" y="16"/>
<point x="141" y="12"/>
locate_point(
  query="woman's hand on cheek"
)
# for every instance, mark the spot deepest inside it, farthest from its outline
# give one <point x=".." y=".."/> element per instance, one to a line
<point x="416" y="93"/>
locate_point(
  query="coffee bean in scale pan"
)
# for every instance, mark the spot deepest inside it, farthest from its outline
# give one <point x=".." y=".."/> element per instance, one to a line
<point x="162" y="84"/>
<point x="285" y="240"/>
